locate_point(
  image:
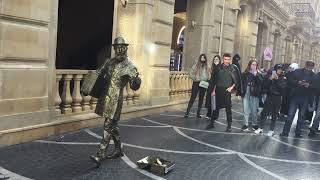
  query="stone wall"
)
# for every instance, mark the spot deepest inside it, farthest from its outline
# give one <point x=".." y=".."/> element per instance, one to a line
<point x="25" y="62"/>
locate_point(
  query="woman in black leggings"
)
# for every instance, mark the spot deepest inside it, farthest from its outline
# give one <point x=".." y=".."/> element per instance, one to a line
<point x="200" y="74"/>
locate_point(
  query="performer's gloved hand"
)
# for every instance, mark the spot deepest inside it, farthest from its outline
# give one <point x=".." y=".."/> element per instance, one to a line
<point x="135" y="83"/>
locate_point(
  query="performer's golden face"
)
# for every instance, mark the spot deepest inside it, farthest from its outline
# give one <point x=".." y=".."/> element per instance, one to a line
<point x="121" y="51"/>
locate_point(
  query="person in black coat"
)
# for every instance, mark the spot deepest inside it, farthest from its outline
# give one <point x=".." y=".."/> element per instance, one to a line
<point x="224" y="82"/>
<point x="275" y="86"/>
<point x="237" y="72"/>
<point x="215" y="63"/>
<point x="316" y="87"/>
<point x="286" y="97"/>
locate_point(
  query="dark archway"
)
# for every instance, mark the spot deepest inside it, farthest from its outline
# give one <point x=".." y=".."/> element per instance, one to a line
<point x="84" y="33"/>
<point x="178" y="35"/>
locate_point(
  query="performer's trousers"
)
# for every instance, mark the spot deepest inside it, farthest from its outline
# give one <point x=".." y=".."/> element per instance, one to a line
<point x="110" y="130"/>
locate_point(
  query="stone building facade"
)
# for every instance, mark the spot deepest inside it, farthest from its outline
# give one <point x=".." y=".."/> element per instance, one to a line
<point x="37" y="99"/>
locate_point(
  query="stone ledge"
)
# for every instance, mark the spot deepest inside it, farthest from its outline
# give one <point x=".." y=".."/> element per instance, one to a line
<point x="76" y="122"/>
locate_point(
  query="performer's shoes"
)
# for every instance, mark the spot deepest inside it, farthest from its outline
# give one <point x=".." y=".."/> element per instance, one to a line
<point x="115" y="155"/>
<point x="96" y="160"/>
<point x="228" y="129"/>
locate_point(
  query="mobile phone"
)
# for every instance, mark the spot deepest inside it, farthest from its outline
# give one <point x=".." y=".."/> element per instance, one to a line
<point x="274" y="72"/>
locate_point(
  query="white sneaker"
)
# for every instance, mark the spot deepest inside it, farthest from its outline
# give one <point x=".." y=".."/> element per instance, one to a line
<point x="270" y="133"/>
<point x="258" y="131"/>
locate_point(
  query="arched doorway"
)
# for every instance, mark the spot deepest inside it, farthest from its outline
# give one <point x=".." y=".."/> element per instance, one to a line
<point x="84" y="33"/>
<point x="178" y="35"/>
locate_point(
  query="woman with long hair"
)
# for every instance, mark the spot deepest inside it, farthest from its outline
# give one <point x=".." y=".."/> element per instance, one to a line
<point x="216" y="61"/>
<point x="252" y="81"/>
<point x="200" y="75"/>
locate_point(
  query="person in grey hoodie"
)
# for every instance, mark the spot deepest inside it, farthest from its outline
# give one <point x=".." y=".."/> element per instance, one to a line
<point x="199" y="72"/>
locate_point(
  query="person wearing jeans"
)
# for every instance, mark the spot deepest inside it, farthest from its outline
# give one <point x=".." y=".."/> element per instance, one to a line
<point x="199" y="72"/>
<point x="274" y="85"/>
<point x="301" y="95"/>
<point x="252" y="84"/>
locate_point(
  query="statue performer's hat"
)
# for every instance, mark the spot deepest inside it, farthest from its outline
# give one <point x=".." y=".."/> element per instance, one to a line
<point x="120" y="41"/>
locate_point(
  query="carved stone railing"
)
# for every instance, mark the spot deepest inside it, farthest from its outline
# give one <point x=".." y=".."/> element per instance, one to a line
<point x="68" y="98"/>
<point x="180" y="85"/>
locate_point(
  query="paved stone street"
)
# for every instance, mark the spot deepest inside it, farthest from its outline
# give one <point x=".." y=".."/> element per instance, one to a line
<point x="198" y="154"/>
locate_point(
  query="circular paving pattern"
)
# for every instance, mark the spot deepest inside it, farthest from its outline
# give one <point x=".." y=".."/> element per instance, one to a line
<point x="198" y="153"/>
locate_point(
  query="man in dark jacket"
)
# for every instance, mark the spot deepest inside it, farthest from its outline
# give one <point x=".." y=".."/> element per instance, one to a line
<point x="301" y="96"/>
<point x="224" y="82"/>
<point x="316" y="87"/>
<point x="237" y="72"/>
<point x="275" y="85"/>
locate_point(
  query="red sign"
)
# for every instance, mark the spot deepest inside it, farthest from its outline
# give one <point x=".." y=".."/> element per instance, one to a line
<point x="267" y="54"/>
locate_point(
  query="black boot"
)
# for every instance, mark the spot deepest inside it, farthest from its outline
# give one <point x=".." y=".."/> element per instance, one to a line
<point x="312" y="133"/>
<point x="229" y="127"/>
<point x="198" y="113"/>
<point x="186" y="115"/>
<point x="211" y="124"/>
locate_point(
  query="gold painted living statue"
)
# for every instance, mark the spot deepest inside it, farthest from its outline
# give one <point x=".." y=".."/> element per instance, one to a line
<point x="117" y="72"/>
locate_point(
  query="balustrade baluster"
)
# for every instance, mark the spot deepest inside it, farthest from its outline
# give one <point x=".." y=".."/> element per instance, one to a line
<point x="76" y="95"/>
<point x="57" y="99"/>
<point x="125" y="96"/>
<point x="130" y="95"/>
<point x="66" y="95"/>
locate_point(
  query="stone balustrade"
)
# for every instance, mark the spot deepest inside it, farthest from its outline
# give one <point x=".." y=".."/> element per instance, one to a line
<point x="68" y="98"/>
<point x="180" y="85"/>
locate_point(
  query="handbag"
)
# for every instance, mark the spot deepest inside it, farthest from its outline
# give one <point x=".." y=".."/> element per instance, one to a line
<point x="213" y="99"/>
<point x="204" y="84"/>
<point x="93" y="84"/>
<point x="88" y="82"/>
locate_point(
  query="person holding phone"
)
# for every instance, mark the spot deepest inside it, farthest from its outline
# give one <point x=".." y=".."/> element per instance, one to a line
<point x="252" y="84"/>
<point x="301" y="96"/>
<point x="275" y="86"/>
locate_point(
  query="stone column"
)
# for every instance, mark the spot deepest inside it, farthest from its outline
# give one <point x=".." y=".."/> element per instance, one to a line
<point x="199" y="31"/>
<point x="147" y="26"/>
<point x="248" y="30"/>
<point x="25" y="69"/>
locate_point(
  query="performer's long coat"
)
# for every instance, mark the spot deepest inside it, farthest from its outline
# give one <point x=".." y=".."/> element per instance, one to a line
<point x="117" y="74"/>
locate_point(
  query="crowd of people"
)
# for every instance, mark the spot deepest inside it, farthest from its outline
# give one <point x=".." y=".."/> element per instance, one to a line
<point x="283" y="90"/>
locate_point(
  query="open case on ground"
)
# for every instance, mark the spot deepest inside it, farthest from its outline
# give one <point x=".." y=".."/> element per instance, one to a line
<point x="156" y="164"/>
